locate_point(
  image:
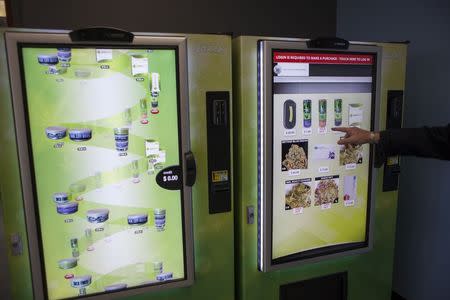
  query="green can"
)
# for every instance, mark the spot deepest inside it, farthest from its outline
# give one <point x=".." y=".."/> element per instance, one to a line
<point x="307" y="113"/>
<point x="322" y="112"/>
<point x="337" y="112"/>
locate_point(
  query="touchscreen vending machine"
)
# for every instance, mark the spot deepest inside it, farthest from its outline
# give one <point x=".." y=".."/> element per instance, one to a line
<point x="105" y="181"/>
<point x="312" y="219"/>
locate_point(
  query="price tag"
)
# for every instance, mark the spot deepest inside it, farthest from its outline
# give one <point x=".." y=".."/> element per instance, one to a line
<point x="325" y="206"/>
<point x="324" y="170"/>
<point x="100" y="229"/>
<point x="170" y="178"/>
<point x="350" y="166"/>
<point x="58" y="145"/>
<point x="307" y="131"/>
<point x="68" y="220"/>
<point x="348" y="203"/>
<point x="290" y="132"/>
<point x="138" y="231"/>
<point x="322" y="130"/>
<point x="295" y="172"/>
<point x="81" y="149"/>
<point x="123" y="153"/>
<point x="297" y="210"/>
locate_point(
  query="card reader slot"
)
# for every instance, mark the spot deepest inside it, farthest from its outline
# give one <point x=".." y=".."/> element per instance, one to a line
<point x="220" y="187"/>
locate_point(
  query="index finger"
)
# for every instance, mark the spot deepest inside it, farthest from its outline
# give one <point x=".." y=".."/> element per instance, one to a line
<point x="341" y="129"/>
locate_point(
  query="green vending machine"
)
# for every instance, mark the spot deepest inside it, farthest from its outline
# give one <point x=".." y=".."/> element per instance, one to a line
<point x="110" y="186"/>
<point x="314" y="220"/>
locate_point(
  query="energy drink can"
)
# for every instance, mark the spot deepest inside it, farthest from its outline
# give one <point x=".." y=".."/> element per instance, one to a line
<point x="322" y="112"/>
<point x="337" y="112"/>
<point x="307" y="113"/>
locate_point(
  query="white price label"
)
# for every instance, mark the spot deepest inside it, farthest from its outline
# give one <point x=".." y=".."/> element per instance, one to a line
<point x="307" y="131"/>
<point x="294" y="172"/>
<point x="290" y="132"/>
<point x="322" y="130"/>
<point x="326" y="206"/>
<point x="297" y="210"/>
<point x="350" y="166"/>
<point x="324" y="170"/>
<point x="170" y="178"/>
<point x="139" y="65"/>
<point x="104" y="54"/>
<point x="348" y="203"/>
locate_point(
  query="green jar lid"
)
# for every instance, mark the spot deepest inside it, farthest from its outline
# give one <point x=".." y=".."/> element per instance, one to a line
<point x="121" y="130"/>
<point x="67" y="263"/>
<point x="160" y="211"/>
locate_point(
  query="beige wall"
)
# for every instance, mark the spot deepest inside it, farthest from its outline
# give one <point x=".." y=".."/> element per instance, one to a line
<point x="2" y="9"/>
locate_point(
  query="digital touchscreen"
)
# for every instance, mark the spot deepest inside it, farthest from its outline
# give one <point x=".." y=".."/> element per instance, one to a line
<point x="320" y="189"/>
<point x="102" y="124"/>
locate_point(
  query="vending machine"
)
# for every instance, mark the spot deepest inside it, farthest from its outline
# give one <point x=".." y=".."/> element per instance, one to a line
<point x="110" y="186"/>
<point x="315" y="220"/>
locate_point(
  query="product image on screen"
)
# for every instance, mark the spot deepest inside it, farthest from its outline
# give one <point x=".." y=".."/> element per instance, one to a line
<point x="320" y="190"/>
<point x="102" y="124"/>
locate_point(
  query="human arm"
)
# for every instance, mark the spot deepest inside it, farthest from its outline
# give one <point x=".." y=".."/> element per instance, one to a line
<point x="433" y="142"/>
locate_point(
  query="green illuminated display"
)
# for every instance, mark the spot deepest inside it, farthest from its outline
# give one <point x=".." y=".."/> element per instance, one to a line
<point x="102" y="124"/>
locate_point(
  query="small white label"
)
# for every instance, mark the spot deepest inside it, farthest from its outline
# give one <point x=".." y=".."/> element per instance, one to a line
<point x="290" y="132"/>
<point x="326" y="206"/>
<point x="139" y="65"/>
<point x="350" y="166"/>
<point x="294" y="172"/>
<point x="307" y="131"/>
<point x="104" y="54"/>
<point x="322" y="130"/>
<point x="349" y="203"/>
<point x="324" y="170"/>
<point x="58" y="145"/>
<point x="297" y="210"/>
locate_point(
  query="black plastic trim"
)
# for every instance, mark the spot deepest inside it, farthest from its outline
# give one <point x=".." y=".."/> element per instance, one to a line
<point x="101" y="34"/>
<point x="191" y="168"/>
<point x="328" y="43"/>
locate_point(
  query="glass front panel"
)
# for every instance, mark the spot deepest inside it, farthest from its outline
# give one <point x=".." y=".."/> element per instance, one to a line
<point x="320" y="190"/>
<point x="102" y="123"/>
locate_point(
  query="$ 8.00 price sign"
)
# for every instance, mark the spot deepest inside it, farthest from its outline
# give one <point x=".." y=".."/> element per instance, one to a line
<point x="170" y="178"/>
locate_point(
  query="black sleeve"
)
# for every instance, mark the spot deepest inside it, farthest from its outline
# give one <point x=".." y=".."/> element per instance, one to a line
<point x="432" y="142"/>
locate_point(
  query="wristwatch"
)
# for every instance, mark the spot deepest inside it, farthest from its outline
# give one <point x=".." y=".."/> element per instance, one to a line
<point x="372" y="138"/>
